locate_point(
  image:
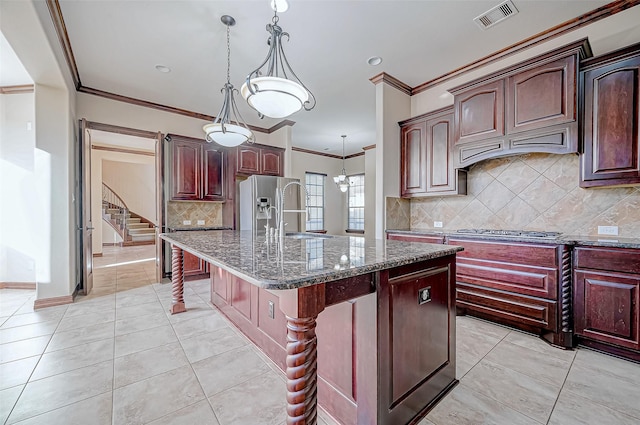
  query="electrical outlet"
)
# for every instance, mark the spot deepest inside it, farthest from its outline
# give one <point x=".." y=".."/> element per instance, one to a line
<point x="200" y="222"/>
<point x="186" y="222"/>
<point x="437" y="224"/>
<point x="608" y="230"/>
<point x="272" y="312"/>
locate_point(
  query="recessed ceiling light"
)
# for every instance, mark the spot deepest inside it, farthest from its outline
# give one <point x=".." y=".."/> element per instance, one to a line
<point x="163" y="69"/>
<point x="374" y="60"/>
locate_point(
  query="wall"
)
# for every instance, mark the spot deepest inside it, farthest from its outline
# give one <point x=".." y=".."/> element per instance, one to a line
<point x="18" y="240"/>
<point x="532" y="192"/>
<point x="335" y="207"/>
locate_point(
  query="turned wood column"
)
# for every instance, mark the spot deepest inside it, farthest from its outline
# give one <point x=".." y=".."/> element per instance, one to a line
<point x="301" y="307"/>
<point x="177" y="281"/>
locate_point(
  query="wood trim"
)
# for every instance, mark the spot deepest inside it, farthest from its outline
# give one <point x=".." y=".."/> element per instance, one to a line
<point x="353" y="155"/>
<point x="24" y="88"/>
<point x="110" y="128"/>
<point x="366" y="148"/>
<point x="361" y="232"/>
<point x="122" y="150"/>
<point x="17" y="285"/>
<point x="98" y="254"/>
<point x="383" y="77"/>
<point x="63" y="38"/>
<point x="549" y="34"/>
<point x="278" y="126"/>
<point x="51" y="302"/>
<point x="445" y="110"/>
<point x="328" y="155"/>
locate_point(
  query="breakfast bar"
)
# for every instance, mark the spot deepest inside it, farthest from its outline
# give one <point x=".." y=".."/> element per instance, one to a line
<point x="384" y="311"/>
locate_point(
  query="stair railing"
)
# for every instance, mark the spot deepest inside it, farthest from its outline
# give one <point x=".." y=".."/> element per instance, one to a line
<point x="111" y="200"/>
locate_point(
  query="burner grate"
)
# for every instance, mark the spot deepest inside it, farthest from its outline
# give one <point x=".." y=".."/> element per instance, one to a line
<point x="513" y="233"/>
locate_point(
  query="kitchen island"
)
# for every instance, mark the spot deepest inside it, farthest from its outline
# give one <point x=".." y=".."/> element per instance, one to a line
<point x="384" y="312"/>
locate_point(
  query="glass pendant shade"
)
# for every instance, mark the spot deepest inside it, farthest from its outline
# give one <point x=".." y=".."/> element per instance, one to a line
<point x="229" y="135"/>
<point x="275" y="97"/>
<point x="341" y="180"/>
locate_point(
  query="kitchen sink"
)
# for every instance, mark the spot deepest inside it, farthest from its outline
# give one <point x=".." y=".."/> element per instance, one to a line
<point x="306" y="235"/>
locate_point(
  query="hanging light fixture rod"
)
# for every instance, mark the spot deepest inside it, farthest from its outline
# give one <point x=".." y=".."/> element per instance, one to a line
<point x="276" y="91"/>
<point x="225" y="131"/>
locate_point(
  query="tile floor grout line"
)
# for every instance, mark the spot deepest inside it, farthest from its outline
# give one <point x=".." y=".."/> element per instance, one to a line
<point x="564" y="381"/>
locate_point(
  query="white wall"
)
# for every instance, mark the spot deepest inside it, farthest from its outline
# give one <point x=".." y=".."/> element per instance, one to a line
<point x="17" y="182"/>
<point x="25" y="25"/>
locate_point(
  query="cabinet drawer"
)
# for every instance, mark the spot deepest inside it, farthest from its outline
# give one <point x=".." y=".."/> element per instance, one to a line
<point x="416" y="238"/>
<point x="507" y="252"/>
<point x="608" y="259"/>
<point x="508" y="307"/>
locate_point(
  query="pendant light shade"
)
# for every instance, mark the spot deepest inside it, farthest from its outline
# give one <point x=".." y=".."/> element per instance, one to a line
<point x="273" y="89"/>
<point x="341" y="180"/>
<point x="223" y="130"/>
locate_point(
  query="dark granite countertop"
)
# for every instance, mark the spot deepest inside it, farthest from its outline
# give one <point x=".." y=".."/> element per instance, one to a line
<point x="301" y="262"/>
<point x="196" y="228"/>
<point x="604" y="241"/>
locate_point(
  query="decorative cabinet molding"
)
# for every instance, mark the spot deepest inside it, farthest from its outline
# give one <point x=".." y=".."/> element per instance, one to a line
<point x="426" y="152"/>
<point x="259" y="159"/>
<point x="529" y="107"/>
<point x="611" y="119"/>
<point x="197" y="170"/>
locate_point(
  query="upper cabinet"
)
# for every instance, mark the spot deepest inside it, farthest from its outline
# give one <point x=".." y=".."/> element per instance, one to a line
<point x="260" y="159"/>
<point x="197" y="170"/>
<point x="529" y="107"/>
<point x="611" y="119"/>
<point x="426" y="152"/>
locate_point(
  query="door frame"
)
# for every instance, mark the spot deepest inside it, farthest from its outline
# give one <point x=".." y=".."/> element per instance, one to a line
<point x="159" y="164"/>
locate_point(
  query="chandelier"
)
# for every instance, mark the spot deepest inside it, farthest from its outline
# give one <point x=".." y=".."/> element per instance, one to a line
<point x="276" y="91"/>
<point x="342" y="181"/>
<point x="223" y="131"/>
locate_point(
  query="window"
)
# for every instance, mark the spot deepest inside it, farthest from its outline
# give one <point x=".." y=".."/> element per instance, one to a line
<point x="355" y="220"/>
<point x="315" y="189"/>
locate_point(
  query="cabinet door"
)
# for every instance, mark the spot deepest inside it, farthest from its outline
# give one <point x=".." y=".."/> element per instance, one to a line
<point x="479" y="113"/>
<point x="248" y="160"/>
<point x="213" y="173"/>
<point x="606" y="307"/>
<point x="271" y="162"/>
<point x="542" y="96"/>
<point x="441" y="176"/>
<point x="413" y="160"/>
<point x="192" y="265"/>
<point x="611" y="124"/>
<point x="186" y="170"/>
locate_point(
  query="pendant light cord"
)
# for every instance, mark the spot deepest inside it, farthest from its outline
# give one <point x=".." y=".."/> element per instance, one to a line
<point x="228" y="56"/>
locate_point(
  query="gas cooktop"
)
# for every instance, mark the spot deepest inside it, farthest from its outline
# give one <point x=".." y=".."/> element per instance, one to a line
<point x="512" y="233"/>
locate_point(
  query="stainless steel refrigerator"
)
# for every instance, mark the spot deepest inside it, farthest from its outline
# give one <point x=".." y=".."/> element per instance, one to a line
<point x="258" y="203"/>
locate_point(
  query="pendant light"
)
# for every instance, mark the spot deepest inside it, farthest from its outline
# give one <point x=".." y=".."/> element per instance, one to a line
<point x="223" y="131"/>
<point x="276" y="91"/>
<point x="342" y="181"/>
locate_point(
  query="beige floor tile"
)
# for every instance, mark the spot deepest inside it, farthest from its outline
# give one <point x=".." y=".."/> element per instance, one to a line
<point x="140" y="323"/>
<point x="17" y="372"/>
<point x="525" y="360"/>
<point x="200" y="325"/>
<point x="92" y="411"/>
<point x="8" y="399"/>
<point x="61" y="390"/>
<point x="469" y="323"/>
<point x="466" y="407"/>
<point x="88" y="319"/>
<point x="538" y="345"/>
<point x="475" y="345"/>
<point x="128" y="300"/>
<point x="520" y="392"/>
<point x="153" y="398"/>
<point x="211" y="344"/>
<point x="574" y="410"/>
<point x="258" y="401"/>
<point x="198" y="413"/>
<point x="102" y="305"/>
<point x="144" y="340"/>
<point x="27" y="331"/>
<point x="193" y="311"/>
<point x="145" y="364"/>
<point x="22" y="349"/>
<point x="80" y="336"/>
<point x="226" y="370"/>
<point x="39" y="316"/>
<point x="76" y="357"/>
<point x="138" y="310"/>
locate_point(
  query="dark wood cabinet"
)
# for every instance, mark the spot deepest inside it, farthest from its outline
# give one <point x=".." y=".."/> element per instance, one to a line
<point x="426" y="152"/>
<point x="259" y="159"/>
<point x="437" y="239"/>
<point x="528" y="107"/>
<point x="611" y="119"/>
<point x="194" y="267"/>
<point x="607" y="299"/>
<point x="197" y="170"/>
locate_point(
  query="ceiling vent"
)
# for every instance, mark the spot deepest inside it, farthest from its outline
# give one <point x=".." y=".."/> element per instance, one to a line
<point x="497" y="14"/>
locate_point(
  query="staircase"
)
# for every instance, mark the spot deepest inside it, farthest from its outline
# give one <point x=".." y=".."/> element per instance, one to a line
<point x="132" y="228"/>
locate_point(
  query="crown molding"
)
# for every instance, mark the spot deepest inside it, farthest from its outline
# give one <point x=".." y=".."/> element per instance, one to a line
<point x="328" y="155"/>
<point x="383" y="77"/>
<point x="25" y="88"/>
<point x="122" y="150"/>
<point x="63" y="38"/>
<point x="366" y="148"/>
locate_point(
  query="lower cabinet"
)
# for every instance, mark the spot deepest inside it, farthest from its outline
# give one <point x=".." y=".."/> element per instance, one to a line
<point x="194" y="267"/>
<point x="607" y="299"/>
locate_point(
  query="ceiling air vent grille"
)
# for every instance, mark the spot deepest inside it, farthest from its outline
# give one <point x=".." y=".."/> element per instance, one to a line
<point x="497" y="14"/>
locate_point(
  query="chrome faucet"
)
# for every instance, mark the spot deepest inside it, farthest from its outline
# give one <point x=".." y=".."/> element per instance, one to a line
<point x="280" y="206"/>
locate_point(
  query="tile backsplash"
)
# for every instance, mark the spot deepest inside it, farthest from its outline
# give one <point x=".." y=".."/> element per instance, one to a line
<point x="526" y="192"/>
<point x="178" y="211"/>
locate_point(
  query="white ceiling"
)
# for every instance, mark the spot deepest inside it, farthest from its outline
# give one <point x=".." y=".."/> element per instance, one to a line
<point x="118" y="43"/>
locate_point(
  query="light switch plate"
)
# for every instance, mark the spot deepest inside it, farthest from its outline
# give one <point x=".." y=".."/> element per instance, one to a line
<point x="186" y="222"/>
<point x="608" y="230"/>
<point x="200" y="222"/>
<point x="437" y="224"/>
